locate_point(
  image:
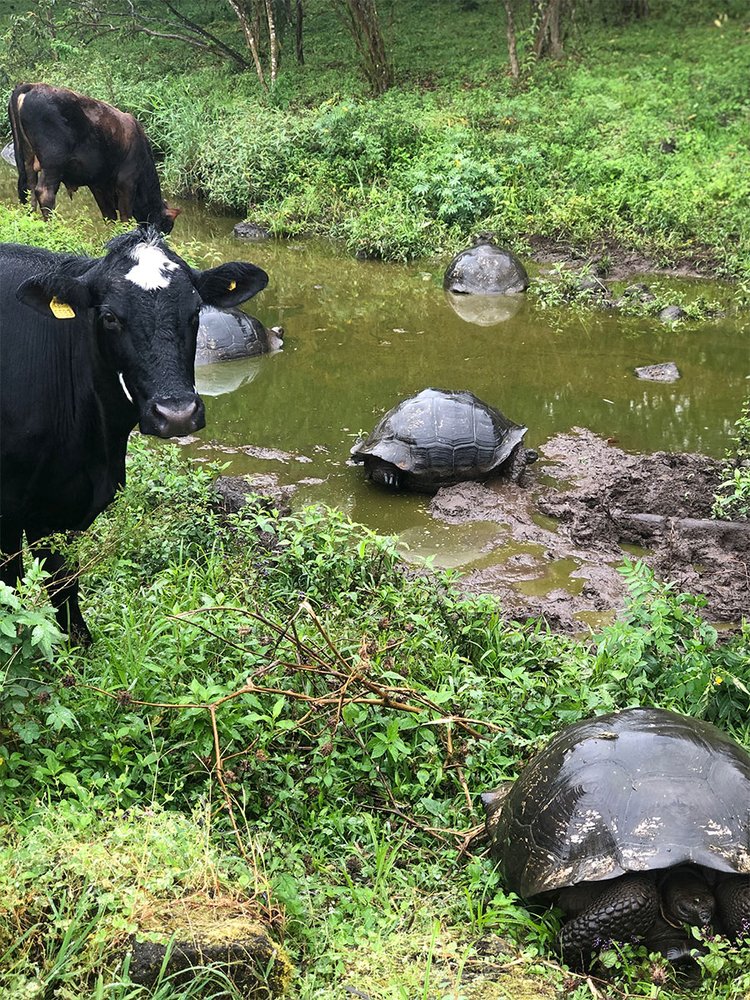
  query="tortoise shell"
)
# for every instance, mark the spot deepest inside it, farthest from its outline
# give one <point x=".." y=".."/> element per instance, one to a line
<point x="229" y="334"/>
<point x="638" y="790"/>
<point x="439" y="437"/>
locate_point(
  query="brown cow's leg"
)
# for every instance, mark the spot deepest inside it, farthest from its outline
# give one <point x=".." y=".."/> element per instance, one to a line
<point x="63" y="591"/>
<point x="106" y="202"/>
<point x="46" y="191"/>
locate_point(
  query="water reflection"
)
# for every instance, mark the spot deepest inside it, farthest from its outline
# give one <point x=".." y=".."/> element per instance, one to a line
<point x="226" y="376"/>
<point x="485" y="310"/>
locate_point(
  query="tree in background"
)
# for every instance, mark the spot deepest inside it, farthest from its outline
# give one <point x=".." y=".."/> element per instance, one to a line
<point x="262" y="23"/>
<point x="362" y="19"/>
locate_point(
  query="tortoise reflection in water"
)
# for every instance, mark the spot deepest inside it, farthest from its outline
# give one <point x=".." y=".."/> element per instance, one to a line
<point x="637" y="824"/>
<point x="438" y="437"/>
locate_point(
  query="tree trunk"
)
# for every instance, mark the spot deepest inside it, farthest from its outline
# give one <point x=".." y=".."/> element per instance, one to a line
<point x="362" y="17"/>
<point x="548" y="32"/>
<point x="273" y="41"/>
<point x="250" y="31"/>
<point x="510" y="30"/>
<point x="300" y="52"/>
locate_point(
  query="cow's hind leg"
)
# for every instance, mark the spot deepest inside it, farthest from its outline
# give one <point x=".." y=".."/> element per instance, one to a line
<point x="63" y="590"/>
<point x="11" y="562"/>
<point x="28" y="180"/>
<point x="46" y="189"/>
<point x="106" y="202"/>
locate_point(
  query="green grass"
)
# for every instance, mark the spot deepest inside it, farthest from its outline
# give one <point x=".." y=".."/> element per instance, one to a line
<point x="573" y="154"/>
<point x="733" y="498"/>
<point x="355" y="705"/>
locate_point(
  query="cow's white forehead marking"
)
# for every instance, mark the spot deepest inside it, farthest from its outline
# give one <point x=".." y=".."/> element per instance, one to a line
<point x="152" y="267"/>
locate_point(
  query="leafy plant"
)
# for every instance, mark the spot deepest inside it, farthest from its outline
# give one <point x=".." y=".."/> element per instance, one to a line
<point x="732" y="502"/>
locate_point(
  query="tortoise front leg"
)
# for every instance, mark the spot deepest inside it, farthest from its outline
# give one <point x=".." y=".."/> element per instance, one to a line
<point x="624" y="910"/>
<point x="733" y="895"/>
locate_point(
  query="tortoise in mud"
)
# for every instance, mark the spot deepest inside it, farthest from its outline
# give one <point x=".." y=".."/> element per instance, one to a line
<point x="637" y="824"/>
<point x="437" y="438"/>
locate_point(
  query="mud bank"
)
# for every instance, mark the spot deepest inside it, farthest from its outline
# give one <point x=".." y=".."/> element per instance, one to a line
<point x="584" y="507"/>
<point x="622" y="261"/>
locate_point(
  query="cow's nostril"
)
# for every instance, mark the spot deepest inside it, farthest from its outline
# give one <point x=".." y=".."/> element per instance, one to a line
<point x="176" y="417"/>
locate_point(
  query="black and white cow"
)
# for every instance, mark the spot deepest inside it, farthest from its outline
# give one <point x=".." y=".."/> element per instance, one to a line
<point x="88" y="348"/>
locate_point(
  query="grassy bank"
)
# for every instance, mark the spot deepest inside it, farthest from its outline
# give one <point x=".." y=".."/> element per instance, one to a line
<point x="302" y="716"/>
<point x="637" y="140"/>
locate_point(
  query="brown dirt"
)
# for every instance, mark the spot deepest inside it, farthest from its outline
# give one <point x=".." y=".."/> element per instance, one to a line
<point x="622" y="262"/>
<point x="595" y="490"/>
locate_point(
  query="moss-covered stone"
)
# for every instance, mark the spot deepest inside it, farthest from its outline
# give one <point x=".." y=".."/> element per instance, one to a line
<point x="185" y="936"/>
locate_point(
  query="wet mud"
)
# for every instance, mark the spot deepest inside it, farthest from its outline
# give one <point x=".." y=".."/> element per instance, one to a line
<point x="584" y="507"/>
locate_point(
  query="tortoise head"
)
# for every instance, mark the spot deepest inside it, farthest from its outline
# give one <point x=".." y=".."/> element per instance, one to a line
<point x="687" y="899"/>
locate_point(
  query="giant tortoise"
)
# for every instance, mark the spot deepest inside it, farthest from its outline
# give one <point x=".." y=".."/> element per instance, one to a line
<point x="637" y="824"/>
<point x="439" y="437"/>
<point x="230" y="334"/>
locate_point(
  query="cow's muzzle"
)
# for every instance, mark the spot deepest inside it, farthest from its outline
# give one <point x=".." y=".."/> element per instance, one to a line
<point x="166" y="418"/>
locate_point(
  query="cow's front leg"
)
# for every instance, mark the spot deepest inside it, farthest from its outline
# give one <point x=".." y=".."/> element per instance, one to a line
<point x="63" y="591"/>
<point x="46" y="189"/>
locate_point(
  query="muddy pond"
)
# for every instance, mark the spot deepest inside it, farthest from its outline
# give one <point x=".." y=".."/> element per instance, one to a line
<point x="361" y="335"/>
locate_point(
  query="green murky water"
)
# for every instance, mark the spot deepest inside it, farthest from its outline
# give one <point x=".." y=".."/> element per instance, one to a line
<point x="361" y="335"/>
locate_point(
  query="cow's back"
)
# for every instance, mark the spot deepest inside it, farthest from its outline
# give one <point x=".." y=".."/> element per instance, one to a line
<point x="86" y="141"/>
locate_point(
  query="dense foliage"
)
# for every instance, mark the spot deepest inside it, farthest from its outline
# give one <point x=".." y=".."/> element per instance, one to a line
<point x="359" y="710"/>
<point x="637" y="138"/>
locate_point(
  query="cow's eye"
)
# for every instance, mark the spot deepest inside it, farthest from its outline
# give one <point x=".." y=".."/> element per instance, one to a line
<point x="109" y="320"/>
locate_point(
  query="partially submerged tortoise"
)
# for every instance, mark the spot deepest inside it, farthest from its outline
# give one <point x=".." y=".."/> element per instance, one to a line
<point x="438" y="437"/>
<point x="230" y="334"/>
<point x="485" y="269"/>
<point x="636" y="824"/>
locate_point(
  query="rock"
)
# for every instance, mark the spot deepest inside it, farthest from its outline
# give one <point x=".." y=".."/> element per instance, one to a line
<point x="672" y="314"/>
<point x="485" y="269"/>
<point x="232" y="493"/>
<point x="191" y="935"/>
<point x="594" y="284"/>
<point x="251" y="231"/>
<point x="638" y="291"/>
<point x="666" y="371"/>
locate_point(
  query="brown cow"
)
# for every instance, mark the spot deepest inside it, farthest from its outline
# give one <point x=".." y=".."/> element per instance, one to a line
<point x="61" y="137"/>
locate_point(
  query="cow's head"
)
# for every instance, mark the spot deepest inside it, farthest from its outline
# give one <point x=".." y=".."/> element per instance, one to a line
<point x="164" y="221"/>
<point x="141" y="300"/>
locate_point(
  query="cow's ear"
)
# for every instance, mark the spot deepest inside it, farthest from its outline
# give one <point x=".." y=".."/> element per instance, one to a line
<point x="230" y="284"/>
<point x="60" y="297"/>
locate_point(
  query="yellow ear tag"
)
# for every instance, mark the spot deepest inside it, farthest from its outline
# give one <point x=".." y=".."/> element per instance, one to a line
<point x="61" y="310"/>
<point x="232" y="286"/>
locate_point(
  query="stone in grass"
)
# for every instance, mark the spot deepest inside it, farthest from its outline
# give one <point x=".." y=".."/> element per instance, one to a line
<point x="189" y="935"/>
<point x="666" y="371"/>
